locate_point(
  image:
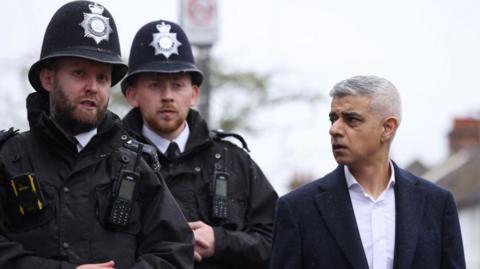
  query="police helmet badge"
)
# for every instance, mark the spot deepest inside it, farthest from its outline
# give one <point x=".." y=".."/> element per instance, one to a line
<point x="95" y="25"/>
<point x="164" y="42"/>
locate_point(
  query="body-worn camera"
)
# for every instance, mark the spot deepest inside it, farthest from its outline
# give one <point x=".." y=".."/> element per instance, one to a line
<point x="123" y="197"/>
<point x="28" y="194"/>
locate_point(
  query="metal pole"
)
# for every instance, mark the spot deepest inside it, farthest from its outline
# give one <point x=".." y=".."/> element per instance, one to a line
<point x="203" y="61"/>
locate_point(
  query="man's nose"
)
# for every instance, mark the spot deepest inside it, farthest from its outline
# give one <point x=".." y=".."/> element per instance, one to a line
<point x="93" y="85"/>
<point x="167" y="94"/>
<point x="336" y="129"/>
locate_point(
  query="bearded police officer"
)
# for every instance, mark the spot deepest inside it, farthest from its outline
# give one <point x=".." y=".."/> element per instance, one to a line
<point x="74" y="191"/>
<point x="222" y="192"/>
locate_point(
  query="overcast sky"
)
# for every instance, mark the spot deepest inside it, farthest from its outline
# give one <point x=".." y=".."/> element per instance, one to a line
<point x="428" y="49"/>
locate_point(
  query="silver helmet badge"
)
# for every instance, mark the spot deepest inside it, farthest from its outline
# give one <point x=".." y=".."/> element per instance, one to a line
<point x="95" y="25"/>
<point x="164" y="42"/>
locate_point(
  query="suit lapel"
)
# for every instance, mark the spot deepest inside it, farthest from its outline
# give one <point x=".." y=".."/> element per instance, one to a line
<point x="409" y="203"/>
<point x="336" y="210"/>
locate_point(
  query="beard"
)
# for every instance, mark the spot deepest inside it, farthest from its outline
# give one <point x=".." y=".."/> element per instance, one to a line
<point x="63" y="112"/>
<point x="163" y="127"/>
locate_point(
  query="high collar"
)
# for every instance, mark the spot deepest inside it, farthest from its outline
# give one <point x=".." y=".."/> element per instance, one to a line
<point x="162" y="143"/>
<point x="84" y="138"/>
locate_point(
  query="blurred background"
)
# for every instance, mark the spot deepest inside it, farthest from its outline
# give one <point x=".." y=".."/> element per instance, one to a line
<point x="271" y="64"/>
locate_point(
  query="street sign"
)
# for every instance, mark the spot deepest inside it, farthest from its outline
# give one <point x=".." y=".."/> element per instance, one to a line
<point x="199" y="19"/>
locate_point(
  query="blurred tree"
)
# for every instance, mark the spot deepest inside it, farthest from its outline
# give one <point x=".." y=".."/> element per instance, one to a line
<point x="243" y="93"/>
<point x="298" y="179"/>
<point x="234" y="85"/>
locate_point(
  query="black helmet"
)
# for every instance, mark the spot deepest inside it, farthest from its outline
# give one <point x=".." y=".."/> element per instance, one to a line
<point x="161" y="47"/>
<point x="80" y="29"/>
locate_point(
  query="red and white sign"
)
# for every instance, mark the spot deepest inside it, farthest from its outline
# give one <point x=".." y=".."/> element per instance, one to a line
<point x="199" y="19"/>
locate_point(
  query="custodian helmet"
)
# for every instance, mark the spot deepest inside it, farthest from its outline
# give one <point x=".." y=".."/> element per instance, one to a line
<point x="161" y="47"/>
<point x="80" y="29"/>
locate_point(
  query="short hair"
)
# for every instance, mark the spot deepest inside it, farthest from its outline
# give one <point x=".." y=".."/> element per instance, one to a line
<point x="385" y="99"/>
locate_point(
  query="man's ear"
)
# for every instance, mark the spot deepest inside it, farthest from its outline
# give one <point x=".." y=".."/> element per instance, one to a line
<point x="131" y="95"/>
<point x="390" y="126"/>
<point x="195" y="94"/>
<point x="47" y="78"/>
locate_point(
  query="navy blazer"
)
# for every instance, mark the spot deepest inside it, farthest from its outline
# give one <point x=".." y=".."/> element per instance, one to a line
<point x="315" y="226"/>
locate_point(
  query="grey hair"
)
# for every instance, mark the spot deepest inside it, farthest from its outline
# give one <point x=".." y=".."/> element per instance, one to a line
<point x="385" y="99"/>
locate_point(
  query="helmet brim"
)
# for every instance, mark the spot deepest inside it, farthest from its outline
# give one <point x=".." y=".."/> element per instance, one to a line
<point x="164" y="68"/>
<point x="119" y="68"/>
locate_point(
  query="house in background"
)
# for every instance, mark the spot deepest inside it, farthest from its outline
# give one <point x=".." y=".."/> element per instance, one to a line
<point x="460" y="173"/>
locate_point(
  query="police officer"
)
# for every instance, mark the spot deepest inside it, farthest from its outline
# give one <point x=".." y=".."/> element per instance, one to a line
<point x="73" y="191"/>
<point x="222" y="192"/>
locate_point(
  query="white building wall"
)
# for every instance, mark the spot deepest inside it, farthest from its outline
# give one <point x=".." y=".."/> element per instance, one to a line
<point x="470" y="225"/>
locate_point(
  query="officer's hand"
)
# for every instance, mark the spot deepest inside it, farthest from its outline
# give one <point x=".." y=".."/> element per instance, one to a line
<point x="109" y="264"/>
<point x="204" y="240"/>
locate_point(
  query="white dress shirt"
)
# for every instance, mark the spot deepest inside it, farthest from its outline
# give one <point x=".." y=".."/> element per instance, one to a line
<point x="375" y="221"/>
<point x="162" y="143"/>
<point x="84" y="138"/>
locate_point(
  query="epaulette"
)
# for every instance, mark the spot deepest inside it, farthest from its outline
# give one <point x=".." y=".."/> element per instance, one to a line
<point x="149" y="152"/>
<point x="219" y="134"/>
<point x="5" y="135"/>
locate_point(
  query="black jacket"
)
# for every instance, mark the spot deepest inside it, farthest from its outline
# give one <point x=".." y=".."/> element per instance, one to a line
<point x="243" y="240"/>
<point x="73" y="229"/>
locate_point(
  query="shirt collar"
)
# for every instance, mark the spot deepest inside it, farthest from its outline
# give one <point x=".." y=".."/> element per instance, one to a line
<point x="351" y="180"/>
<point x="162" y="143"/>
<point x="84" y="138"/>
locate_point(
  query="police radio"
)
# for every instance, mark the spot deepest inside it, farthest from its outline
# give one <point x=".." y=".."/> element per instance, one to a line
<point x="124" y="197"/>
<point x="28" y="194"/>
<point x="219" y="199"/>
<point x="124" y="194"/>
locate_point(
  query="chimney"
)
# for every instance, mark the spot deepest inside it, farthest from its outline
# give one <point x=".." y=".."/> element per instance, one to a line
<point x="465" y="133"/>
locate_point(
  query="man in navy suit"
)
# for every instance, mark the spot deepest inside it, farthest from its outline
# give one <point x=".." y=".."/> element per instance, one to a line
<point x="368" y="212"/>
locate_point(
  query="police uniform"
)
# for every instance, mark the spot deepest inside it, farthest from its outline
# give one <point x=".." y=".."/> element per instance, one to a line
<point x="243" y="237"/>
<point x="69" y="221"/>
